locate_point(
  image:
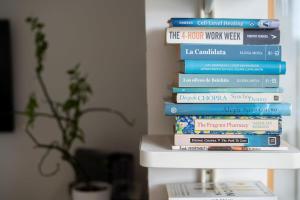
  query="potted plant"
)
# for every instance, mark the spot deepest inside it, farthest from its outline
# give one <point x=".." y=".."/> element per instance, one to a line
<point x="67" y="115"/>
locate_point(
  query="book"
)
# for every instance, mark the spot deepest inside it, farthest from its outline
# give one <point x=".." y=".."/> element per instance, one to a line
<point x="226" y="90"/>
<point x="232" y="190"/>
<point x="259" y="109"/>
<point x="228" y="148"/>
<point x="226" y="140"/>
<point x="195" y="35"/>
<point x="233" y="67"/>
<point x="230" y="52"/>
<point x="225" y="23"/>
<point x="255" y="125"/>
<point x="219" y="80"/>
<point x="228" y="97"/>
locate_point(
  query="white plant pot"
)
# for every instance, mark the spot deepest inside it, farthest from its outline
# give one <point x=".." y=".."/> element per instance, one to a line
<point x="103" y="194"/>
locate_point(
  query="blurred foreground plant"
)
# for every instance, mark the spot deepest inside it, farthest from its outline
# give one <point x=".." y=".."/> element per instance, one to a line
<point x="67" y="114"/>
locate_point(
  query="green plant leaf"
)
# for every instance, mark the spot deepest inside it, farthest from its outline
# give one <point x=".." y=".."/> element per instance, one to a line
<point x="30" y="110"/>
<point x="70" y="104"/>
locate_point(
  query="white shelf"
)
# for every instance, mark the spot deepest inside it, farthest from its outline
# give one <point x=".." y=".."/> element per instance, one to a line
<point x="155" y="151"/>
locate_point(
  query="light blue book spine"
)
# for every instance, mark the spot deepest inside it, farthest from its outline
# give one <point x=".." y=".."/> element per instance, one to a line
<point x="226" y="90"/>
<point x="230" y="52"/>
<point x="273" y="109"/>
<point x="264" y="124"/>
<point x="231" y="81"/>
<point x="234" y="67"/>
<point x="227" y="140"/>
<point x="224" y="22"/>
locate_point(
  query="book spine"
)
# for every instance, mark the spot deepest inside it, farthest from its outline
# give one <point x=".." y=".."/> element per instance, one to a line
<point x="228" y="98"/>
<point x="224" y="23"/>
<point x="234" y="67"/>
<point x="195" y="35"/>
<point x="230" y="52"/>
<point x="217" y="80"/>
<point x="228" y="125"/>
<point x="226" y="90"/>
<point x="227" y="140"/>
<point x="228" y="148"/>
<point x="262" y="109"/>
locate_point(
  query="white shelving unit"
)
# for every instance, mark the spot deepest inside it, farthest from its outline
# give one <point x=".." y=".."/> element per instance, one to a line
<point x="156" y="152"/>
<point x="167" y="166"/>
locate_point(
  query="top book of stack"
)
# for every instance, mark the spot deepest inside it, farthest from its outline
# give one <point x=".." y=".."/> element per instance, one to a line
<point x="223" y="31"/>
<point x="225" y="23"/>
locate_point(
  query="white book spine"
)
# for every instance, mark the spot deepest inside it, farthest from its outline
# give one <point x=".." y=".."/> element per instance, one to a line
<point x="243" y="190"/>
<point x="229" y="98"/>
<point x="177" y="35"/>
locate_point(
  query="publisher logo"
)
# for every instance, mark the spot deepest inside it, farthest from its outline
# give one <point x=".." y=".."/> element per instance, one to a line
<point x="272" y="141"/>
<point x="276" y="98"/>
<point x="273" y="36"/>
<point x="173" y="110"/>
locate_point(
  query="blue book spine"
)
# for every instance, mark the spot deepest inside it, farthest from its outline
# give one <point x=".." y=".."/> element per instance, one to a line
<point x="232" y="81"/>
<point x="226" y="90"/>
<point x="253" y="125"/>
<point x="225" y="22"/>
<point x="261" y="109"/>
<point x="230" y="52"/>
<point x="227" y="140"/>
<point x="234" y="67"/>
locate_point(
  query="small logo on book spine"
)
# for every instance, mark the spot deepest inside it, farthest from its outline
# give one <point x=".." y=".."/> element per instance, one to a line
<point x="276" y="98"/>
<point x="173" y="110"/>
<point x="272" y="141"/>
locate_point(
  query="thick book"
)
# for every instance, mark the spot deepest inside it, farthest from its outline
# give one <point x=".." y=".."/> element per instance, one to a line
<point x="195" y="35"/>
<point x="253" y="125"/>
<point x="226" y="140"/>
<point x="234" y="67"/>
<point x="242" y="190"/>
<point x="260" y="109"/>
<point x="230" y="52"/>
<point x="220" y="80"/>
<point x="226" y="90"/>
<point x="228" y="97"/>
<point x="225" y="23"/>
<point x="228" y="148"/>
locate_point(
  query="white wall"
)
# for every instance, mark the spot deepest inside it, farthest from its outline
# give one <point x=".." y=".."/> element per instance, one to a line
<point x="286" y="179"/>
<point x="107" y="38"/>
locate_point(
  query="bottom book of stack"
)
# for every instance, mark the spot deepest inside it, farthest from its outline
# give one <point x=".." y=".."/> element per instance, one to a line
<point x="244" y="190"/>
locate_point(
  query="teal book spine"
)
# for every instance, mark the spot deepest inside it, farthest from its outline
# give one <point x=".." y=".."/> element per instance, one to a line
<point x="226" y="90"/>
<point x="230" y="52"/>
<point x="256" y="109"/>
<point x="231" y="81"/>
<point x="225" y="23"/>
<point x="234" y="67"/>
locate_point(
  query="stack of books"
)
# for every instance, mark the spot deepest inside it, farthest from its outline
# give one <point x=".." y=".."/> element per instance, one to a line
<point x="228" y="95"/>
